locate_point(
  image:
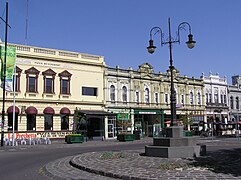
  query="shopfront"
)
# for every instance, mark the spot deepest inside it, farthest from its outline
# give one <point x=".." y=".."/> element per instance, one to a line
<point x="148" y="121"/>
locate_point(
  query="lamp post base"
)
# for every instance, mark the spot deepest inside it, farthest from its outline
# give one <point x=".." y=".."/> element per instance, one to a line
<point x="175" y="145"/>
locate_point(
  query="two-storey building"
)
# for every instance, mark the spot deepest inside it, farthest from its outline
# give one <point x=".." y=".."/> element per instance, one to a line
<point x="142" y="98"/>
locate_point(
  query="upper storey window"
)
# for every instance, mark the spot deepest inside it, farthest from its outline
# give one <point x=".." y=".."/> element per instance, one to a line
<point x="49" y="76"/>
<point x="112" y="93"/>
<point x="32" y="80"/>
<point x="65" y="78"/>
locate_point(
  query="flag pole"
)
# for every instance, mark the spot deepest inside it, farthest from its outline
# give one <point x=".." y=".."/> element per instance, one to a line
<point x="14" y="95"/>
<point x="4" y="74"/>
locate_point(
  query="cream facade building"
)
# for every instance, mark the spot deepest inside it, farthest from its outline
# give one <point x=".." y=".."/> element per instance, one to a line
<point x="141" y="98"/>
<point x="51" y="85"/>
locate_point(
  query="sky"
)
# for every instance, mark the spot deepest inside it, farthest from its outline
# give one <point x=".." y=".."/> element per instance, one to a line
<point x="119" y="30"/>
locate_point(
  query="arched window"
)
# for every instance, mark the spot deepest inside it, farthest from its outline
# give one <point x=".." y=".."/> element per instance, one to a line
<point x="231" y="102"/>
<point x="112" y="93"/>
<point x="237" y="103"/>
<point x="191" y="97"/>
<point x="147" y="96"/>
<point x="10" y="118"/>
<point x="64" y="115"/>
<point x="124" y="94"/>
<point x="31" y="118"/>
<point x="48" y="118"/>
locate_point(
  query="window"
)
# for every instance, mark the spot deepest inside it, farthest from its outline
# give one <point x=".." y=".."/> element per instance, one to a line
<point x="17" y="76"/>
<point x="210" y="97"/>
<point x="48" y="121"/>
<point x="191" y="98"/>
<point x="231" y="102"/>
<point x="89" y="91"/>
<point x="137" y="97"/>
<point x="124" y="94"/>
<point x="182" y="99"/>
<point x="216" y="98"/>
<point x="206" y="98"/>
<point x="198" y="98"/>
<point x="65" y="78"/>
<point x="221" y="98"/>
<point x="32" y="84"/>
<point x="112" y="93"/>
<point x="225" y="99"/>
<point x="32" y="80"/>
<point x="147" y="97"/>
<point x="64" y="121"/>
<point x="156" y="97"/>
<point x="49" y="85"/>
<point x="166" y="98"/>
<point x="31" y="122"/>
<point x="49" y="76"/>
<point x="237" y="103"/>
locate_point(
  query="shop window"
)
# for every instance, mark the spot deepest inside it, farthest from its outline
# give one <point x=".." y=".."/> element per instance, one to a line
<point x="112" y="93"/>
<point x="65" y="78"/>
<point x="10" y="118"/>
<point x="31" y="122"/>
<point x="48" y="118"/>
<point x="32" y="80"/>
<point x="48" y="121"/>
<point x="49" y="76"/>
<point x="124" y="94"/>
<point x="64" y="121"/>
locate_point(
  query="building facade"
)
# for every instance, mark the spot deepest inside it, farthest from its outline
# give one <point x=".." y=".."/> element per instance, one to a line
<point x="53" y="87"/>
<point x="216" y="98"/>
<point x="141" y="98"/>
<point x="234" y="99"/>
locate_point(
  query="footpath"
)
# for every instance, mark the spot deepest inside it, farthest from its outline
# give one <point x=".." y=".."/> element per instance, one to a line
<point x="224" y="162"/>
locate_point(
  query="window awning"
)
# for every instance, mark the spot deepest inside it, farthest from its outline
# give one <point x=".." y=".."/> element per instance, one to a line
<point x="48" y="110"/>
<point x="65" y="110"/>
<point x="31" y="110"/>
<point x="10" y="109"/>
<point x="95" y="112"/>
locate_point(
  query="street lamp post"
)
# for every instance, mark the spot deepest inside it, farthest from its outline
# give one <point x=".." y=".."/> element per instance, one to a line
<point x="151" y="49"/>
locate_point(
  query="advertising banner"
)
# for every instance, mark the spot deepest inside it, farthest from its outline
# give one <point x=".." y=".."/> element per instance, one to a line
<point x="10" y="62"/>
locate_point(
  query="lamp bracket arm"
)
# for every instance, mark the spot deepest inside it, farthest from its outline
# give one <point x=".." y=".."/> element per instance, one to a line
<point x="182" y="26"/>
<point x="157" y="30"/>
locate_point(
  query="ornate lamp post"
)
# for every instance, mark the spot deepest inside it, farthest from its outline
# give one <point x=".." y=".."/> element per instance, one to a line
<point x="151" y="49"/>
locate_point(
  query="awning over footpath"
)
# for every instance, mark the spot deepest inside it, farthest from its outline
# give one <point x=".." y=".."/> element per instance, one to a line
<point x="95" y="112"/>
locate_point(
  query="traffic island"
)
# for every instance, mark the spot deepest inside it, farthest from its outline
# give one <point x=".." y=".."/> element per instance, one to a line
<point x="174" y="145"/>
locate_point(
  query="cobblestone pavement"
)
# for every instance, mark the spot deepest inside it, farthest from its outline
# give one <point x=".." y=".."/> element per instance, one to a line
<point x="222" y="164"/>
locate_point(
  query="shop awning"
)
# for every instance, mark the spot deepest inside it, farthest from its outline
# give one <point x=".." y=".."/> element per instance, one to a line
<point x="48" y="110"/>
<point x="95" y="112"/>
<point x="31" y="110"/>
<point x="10" y="109"/>
<point x="65" y="110"/>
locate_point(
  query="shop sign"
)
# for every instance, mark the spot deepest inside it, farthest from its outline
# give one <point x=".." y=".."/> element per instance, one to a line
<point x="123" y="116"/>
<point x="58" y="134"/>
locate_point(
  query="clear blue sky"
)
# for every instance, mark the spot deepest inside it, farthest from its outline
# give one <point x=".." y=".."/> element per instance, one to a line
<point x="119" y="31"/>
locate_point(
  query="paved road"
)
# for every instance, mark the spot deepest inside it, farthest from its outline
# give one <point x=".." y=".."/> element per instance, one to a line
<point x="26" y="162"/>
<point x="29" y="162"/>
